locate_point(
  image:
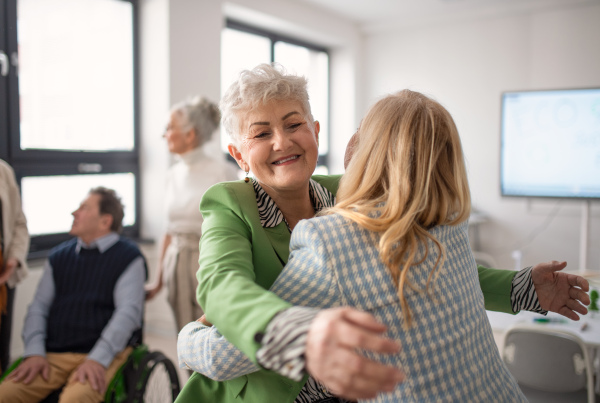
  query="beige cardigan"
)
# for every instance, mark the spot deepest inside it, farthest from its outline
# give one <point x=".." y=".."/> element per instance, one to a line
<point x="14" y="224"/>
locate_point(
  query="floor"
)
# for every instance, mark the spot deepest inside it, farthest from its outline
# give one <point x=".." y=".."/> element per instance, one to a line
<point x="160" y="331"/>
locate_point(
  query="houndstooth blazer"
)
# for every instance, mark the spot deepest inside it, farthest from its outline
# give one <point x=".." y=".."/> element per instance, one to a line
<point x="448" y="354"/>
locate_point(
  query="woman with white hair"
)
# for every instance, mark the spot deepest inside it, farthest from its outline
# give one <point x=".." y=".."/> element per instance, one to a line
<point x="191" y="125"/>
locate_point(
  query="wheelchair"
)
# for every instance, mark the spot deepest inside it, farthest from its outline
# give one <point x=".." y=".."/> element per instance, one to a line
<point x="145" y="377"/>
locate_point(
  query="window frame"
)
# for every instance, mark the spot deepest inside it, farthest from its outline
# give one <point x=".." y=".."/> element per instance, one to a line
<point x="7" y="33"/>
<point x="36" y="162"/>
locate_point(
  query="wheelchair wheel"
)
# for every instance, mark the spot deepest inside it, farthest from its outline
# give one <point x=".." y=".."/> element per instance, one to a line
<point x="158" y="381"/>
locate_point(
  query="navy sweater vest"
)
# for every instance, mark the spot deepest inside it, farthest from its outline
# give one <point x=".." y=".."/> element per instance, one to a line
<point x="84" y="285"/>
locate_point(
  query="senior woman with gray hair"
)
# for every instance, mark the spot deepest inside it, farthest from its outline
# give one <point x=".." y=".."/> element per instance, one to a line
<point x="191" y="125"/>
<point x="245" y="244"/>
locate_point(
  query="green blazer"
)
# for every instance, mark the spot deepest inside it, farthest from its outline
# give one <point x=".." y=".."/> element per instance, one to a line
<point x="239" y="261"/>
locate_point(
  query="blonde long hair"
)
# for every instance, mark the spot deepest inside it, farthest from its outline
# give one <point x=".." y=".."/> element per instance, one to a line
<point x="407" y="175"/>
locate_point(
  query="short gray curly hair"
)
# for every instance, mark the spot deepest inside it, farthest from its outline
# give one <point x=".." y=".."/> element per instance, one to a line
<point x="262" y="84"/>
<point x="200" y="114"/>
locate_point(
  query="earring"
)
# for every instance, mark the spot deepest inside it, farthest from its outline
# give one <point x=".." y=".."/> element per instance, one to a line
<point x="246" y="179"/>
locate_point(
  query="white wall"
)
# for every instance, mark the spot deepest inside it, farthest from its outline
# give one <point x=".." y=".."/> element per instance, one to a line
<point x="179" y="57"/>
<point x="466" y="66"/>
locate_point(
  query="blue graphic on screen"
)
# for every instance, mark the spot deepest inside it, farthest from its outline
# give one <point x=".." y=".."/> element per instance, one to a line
<point x="551" y="143"/>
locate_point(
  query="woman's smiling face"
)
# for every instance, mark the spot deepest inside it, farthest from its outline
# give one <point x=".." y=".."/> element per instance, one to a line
<point x="279" y="145"/>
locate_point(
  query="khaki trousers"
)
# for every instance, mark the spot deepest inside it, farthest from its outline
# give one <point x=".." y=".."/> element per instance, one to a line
<point x="62" y="366"/>
<point x="180" y="265"/>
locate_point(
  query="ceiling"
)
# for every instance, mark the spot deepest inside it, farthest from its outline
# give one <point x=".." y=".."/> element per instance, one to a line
<point x="377" y="15"/>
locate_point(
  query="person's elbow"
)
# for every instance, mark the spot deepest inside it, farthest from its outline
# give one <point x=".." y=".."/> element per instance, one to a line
<point x="196" y="353"/>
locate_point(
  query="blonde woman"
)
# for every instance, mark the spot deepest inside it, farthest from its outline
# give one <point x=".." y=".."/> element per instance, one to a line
<point x="396" y="245"/>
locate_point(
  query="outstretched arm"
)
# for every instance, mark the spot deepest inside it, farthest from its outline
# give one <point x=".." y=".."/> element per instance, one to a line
<point x="540" y="288"/>
<point x="560" y="292"/>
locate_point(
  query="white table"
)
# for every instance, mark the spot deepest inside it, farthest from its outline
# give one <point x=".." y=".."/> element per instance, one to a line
<point x="587" y="328"/>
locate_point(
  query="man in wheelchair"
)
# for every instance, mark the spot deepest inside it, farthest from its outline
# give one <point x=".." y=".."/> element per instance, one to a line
<point x="87" y="310"/>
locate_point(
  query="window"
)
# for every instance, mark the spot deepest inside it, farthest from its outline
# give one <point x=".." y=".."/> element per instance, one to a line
<point x="70" y="108"/>
<point x="244" y="47"/>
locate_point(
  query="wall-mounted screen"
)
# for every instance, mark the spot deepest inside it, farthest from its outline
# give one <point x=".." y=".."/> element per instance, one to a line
<point x="550" y="143"/>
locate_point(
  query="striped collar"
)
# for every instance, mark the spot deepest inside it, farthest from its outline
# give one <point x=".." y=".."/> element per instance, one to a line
<point x="271" y="216"/>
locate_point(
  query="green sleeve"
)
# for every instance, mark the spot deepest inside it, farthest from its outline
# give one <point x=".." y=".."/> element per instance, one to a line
<point x="230" y="290"/>
<point x="496" y="285"/>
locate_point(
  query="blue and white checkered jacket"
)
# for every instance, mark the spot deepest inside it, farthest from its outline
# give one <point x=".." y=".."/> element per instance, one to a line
<point x="448" y="354"/>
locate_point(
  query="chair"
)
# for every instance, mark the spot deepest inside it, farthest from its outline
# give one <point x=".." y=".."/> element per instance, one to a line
<point x="550" y="365"/>
<point x="145" y="377"/>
